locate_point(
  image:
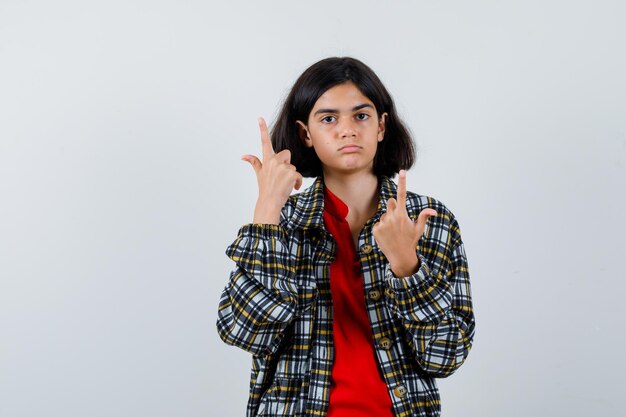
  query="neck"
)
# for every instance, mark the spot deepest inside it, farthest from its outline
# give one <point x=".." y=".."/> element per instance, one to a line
<point x="359" y="190"/>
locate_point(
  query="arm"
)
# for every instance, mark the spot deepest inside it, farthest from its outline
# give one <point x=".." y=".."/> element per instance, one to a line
<point x="436" y="308"/>
<point x="261" y="298"/>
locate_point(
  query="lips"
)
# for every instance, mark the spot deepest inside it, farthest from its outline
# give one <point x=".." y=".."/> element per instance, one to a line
<point x="350" y="148"/>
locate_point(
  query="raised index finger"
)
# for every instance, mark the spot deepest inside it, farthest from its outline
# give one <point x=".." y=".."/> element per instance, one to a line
<point x="402" y="190"/>
<point x="266" y="141"/>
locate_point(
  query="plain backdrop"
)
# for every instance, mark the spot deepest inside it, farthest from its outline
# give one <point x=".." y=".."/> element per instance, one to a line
<point x="122" y="124"/>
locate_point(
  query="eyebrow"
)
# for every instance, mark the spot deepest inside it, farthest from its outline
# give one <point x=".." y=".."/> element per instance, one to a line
<point x="355" y="108"/>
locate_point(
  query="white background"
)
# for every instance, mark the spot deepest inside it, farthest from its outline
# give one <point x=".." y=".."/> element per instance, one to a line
<point x="121" y="128"/>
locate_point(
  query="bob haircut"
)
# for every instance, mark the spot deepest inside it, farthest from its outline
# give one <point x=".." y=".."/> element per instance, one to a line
<point x="395" y="152"/>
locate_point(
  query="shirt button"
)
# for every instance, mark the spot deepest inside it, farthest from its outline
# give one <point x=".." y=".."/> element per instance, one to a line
<point x="366" y="248"/>
<point x="400" y="391"/>
<point x="385" y="343"/>
<point x="374" y="295"/>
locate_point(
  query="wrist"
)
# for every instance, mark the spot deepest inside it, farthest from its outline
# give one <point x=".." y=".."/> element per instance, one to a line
<point x="266" y="213"/>
<point x="406" y="266"/>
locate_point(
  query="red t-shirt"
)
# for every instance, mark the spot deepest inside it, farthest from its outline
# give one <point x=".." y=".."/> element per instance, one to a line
<point x="357" y="388"/>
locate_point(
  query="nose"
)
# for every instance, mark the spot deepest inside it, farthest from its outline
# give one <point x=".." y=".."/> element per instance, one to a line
<point x="346" y="127"/>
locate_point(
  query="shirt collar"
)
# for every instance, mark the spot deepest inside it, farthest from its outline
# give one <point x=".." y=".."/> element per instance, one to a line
<point x="309" y="205"/>
<point x="334" y="205"/>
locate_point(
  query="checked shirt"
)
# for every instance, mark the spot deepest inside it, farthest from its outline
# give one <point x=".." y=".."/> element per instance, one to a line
<point x="277" y="305"/>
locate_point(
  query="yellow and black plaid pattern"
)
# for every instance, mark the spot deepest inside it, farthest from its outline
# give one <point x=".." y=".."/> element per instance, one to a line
<point x="278" y="306"/>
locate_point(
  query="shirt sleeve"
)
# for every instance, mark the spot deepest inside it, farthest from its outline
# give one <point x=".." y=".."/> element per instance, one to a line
<point x="436" y="308"/>
<point x="262" y="297"/>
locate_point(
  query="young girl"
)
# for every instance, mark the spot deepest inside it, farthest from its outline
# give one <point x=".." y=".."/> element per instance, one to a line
<point x="353" y="295"/>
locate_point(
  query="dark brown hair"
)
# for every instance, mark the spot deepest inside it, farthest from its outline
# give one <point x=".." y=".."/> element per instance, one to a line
<point x="395" y="152"/>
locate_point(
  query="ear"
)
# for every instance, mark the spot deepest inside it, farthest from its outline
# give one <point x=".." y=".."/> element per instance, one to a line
<point x="303" y="132"/>
<point x="382" y="123"/>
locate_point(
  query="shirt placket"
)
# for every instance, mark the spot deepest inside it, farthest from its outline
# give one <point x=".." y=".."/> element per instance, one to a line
<point x="387" y="349"/>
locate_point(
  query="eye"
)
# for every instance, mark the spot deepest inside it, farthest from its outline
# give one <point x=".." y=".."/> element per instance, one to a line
<point x="362" y="116"/>
<point x="328" y="119"/>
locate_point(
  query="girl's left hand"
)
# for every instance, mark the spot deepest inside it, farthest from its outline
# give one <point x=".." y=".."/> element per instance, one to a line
<point x="397" y="235"/>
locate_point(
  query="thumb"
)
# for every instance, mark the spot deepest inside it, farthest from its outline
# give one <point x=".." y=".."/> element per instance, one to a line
<point x="423" y="217"/>
<point x="298" y="182"/>
<point x="254" y="161"/>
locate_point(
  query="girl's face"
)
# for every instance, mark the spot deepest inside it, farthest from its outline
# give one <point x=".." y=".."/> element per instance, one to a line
<point x="344" y="129"/>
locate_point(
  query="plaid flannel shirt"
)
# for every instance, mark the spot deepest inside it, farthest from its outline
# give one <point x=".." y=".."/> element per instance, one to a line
<point x="278" y="306"/>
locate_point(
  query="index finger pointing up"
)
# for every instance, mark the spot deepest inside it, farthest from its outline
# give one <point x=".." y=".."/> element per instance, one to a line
<point x="266" y="141"/>
<point x="402" y="190"/>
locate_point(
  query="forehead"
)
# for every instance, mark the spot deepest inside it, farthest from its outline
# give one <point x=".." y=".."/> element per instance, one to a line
<point x="342" y="95"/>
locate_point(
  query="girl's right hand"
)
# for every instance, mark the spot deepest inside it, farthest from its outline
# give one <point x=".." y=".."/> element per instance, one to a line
<point x="276" y="178"/>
